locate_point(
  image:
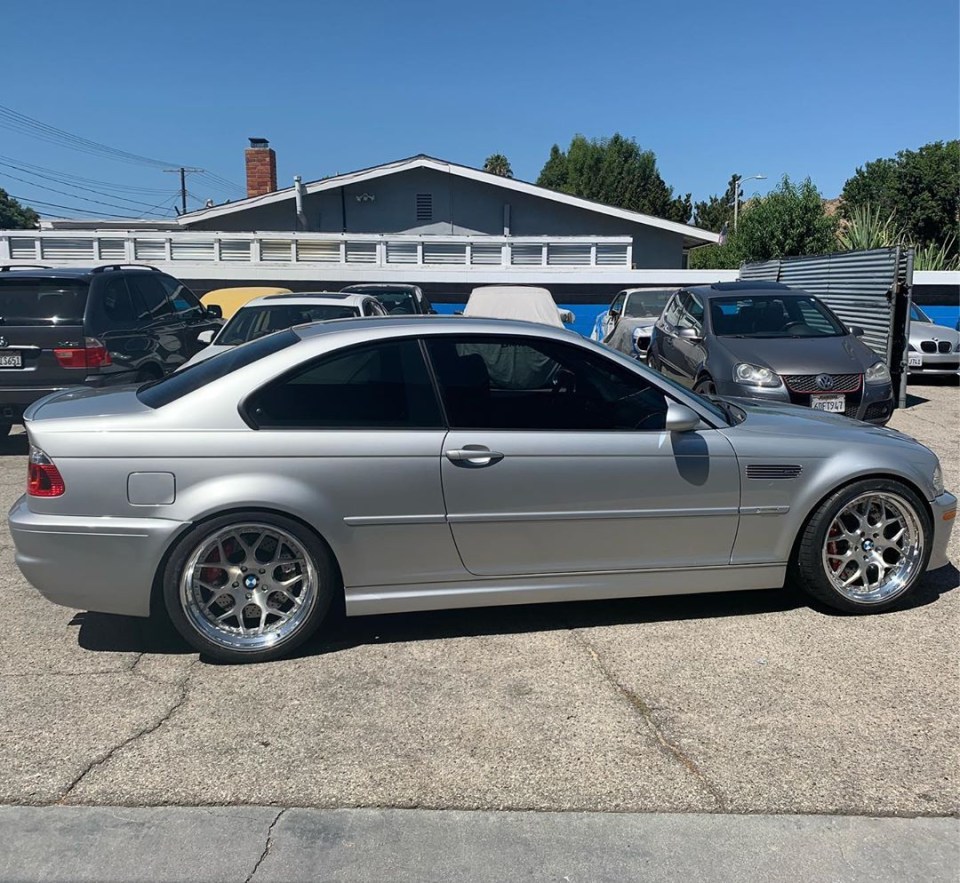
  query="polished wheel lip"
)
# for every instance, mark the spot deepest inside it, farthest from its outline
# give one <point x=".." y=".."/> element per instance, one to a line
<point x="300" y="589"/>
<point x="873" y="548"/>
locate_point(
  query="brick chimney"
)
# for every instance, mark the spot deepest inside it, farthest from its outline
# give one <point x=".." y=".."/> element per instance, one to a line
<point x="261" y="167"/>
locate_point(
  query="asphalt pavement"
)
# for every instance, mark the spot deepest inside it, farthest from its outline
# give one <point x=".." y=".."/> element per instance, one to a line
<point x="742" y="703"/>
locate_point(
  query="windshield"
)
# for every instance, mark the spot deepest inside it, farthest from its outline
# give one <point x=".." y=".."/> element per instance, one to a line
<point x="253" y="322"/>
<point x="397" y="301"/>
<point x="918" y="315"/>
<point x="773" y="315"/>
<point x="646" y="305"/>
<point x="42" y="301"/>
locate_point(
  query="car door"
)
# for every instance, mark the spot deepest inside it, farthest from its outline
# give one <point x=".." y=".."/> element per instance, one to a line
<point x="192" y="315"/>
<point x="162" y="328"/>
<point x="363" y="429"/>
<point x="689" y="351"/>
<point x="664" y="346"/>
<point x="557" y="461"/>
<point x="613" y="315"/>
<point x="113" y="319"/>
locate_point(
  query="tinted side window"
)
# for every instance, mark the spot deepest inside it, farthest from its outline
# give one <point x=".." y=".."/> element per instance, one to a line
<point x="115" y="301"/>
<point x="383" y="385"/>
<point x="617" y="305"/>
<point x="150" y="296"/>
<point x="498" y="382"/>
<point x="183" y="299"/>
<point x="691" y="312"/>
<point x="671" y="313"/>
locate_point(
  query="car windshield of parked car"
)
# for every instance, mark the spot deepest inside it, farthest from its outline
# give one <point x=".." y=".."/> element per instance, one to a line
<point x="398" y="301"/>
<point x="189" y="379"/>
<point x="646" y="306"/>
<point x="774" y="315"/>
<point x="253" y="322"/>
<point x="918" y="315"/>
<point x="42" y="301"/>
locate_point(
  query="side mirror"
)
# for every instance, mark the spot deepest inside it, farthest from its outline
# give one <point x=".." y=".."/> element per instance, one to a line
<point x="215" y="311"/>
<point x="689" y="334"/>
<point x="680" y="418"/>
<point x="205" y="336"/>
<point x="856" y="330"/>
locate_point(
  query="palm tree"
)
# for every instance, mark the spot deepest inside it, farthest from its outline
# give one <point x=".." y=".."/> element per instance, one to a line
<point x="498" y="164"/>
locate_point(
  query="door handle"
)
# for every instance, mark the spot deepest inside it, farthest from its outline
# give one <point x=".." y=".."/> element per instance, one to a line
<point x="473" y="455"/>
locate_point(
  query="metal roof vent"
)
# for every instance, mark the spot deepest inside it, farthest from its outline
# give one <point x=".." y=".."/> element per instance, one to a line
<point x="259" y="143"/>
<point x="424" y="206"/>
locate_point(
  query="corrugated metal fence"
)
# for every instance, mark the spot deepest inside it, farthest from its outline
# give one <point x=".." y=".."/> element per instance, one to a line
<point x="866" y="288"/>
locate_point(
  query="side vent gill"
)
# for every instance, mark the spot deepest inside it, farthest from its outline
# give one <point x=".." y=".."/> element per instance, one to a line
<point x="767" y="471"/>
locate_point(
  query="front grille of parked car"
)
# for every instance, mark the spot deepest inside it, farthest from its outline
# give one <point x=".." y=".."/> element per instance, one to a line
<point x="773" y="470"/>
<point x="808" y="383"/>
<point x="878" y="410"/>
<point x="933" y="346"/>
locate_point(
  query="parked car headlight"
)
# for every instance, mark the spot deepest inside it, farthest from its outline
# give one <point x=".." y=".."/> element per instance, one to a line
<point x="937" y="480"/>
<point x="877" y="373"/>
<point x="755" y="375"/>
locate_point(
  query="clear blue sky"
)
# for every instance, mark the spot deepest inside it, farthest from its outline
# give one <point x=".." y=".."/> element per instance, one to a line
<point x="813" y="88"/>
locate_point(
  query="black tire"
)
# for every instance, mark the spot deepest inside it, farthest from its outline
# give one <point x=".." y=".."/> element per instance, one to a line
<point x="808" y="572"/>
<point x="324" y="567"/>
<point x="705" y="386"/>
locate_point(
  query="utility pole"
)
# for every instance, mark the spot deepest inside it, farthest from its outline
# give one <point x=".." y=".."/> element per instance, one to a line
<point x="183" y="185"/>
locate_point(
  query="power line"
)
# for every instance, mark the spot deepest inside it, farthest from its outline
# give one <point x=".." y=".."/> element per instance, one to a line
<point x="68" y="178"/>
<point x="30" y="203"/>
<point x="71" y="195"/>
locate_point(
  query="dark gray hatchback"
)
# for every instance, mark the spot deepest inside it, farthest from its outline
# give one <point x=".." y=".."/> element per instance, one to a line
<point x="763" y="340"/>
<point x="94" y="326"/>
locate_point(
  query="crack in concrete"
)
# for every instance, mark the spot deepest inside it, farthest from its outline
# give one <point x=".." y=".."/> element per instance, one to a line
<point x="266" y="846"/>
<point x="671" y="749"/>
<point x="178" y="702"/>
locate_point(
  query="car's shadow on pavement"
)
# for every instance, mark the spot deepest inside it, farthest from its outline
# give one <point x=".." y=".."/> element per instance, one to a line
<point x="126" y="634"/>
<point x="13" y="445"/>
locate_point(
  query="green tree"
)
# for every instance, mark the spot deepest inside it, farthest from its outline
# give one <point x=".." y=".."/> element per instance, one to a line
<point x="717" y="211"/>
<point x="788" y="221"/>
<point x="614" y="171"/>
<point x="13" y="215"/>
<point x="919" y="188"/>
<point x="498" y="164"/>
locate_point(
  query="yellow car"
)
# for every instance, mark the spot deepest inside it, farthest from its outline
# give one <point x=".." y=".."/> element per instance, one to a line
<point x="231" y="299"/>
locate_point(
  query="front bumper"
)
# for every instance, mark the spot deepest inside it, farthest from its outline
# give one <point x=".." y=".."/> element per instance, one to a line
<point x="941" y="509"/>
<point x="872" y="403"/>
<point x="936" y="363"/>
<point x="89" y="562"/>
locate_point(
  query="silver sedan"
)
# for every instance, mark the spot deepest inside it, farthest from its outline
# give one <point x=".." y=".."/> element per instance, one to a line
<point x="414" y="464"/>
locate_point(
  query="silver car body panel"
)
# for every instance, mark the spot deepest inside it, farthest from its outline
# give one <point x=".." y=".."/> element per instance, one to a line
<point x="563" y="515"/>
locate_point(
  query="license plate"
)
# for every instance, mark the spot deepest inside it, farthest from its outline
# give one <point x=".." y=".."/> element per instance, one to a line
<point x="833" y="404"/>
<point x="914" y="360"/>
<point x="11" y="360"/>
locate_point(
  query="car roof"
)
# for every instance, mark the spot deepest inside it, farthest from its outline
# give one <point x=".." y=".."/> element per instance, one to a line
<point x="376" y="325"/>
<point x="746" y="286"/>
<point x="306" y="298"/>
<point x="15" y="272"/>
<point x="372" y="287"/>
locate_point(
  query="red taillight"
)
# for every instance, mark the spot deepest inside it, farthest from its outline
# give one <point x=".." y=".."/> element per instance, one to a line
<point x="43" y="477"/>
<point x="93" y="354"/>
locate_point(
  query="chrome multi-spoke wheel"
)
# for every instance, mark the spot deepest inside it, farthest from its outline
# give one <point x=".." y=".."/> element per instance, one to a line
<point x="874" y="548"/>
<point x="865" y="547"/>
<point x="249" y="588"/>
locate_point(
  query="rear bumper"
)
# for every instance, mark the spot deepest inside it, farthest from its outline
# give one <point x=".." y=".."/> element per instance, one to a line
<point x="91" y="563"/>
<point x="941" y="508"/>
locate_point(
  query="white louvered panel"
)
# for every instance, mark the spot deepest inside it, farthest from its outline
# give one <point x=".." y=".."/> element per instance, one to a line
<point x="67" y="249"/>
<point x="275" y="250"/>
<point x="444" y="253"/>
<point x="113" y="249"/>
<point x="527" y="255"/>
<point x="234" y="250"/>
<point x="150" y="249"/>
<point x="196" y="250"/>
<point x="318" y="252"/>
<point x="23" y="249"/>
<point x="611" y="255"/>
<point x="486" y="254"/>
<point x="401" y="252"/>
<point x="568" y="255"/>
<point x="361" y="252"/>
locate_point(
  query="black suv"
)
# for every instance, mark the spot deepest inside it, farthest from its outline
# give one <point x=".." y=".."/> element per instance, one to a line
<point x="122" y="323"/>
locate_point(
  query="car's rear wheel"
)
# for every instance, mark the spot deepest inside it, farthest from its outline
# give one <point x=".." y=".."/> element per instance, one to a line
<point x="249" y="587"/>
<point x="865" y="548"/>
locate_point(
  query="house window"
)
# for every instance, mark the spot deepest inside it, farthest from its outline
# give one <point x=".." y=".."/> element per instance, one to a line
<point x="424" y="206"/>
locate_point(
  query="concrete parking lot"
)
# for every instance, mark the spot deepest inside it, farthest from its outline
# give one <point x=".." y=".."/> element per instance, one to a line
<point x="748" y="702"/>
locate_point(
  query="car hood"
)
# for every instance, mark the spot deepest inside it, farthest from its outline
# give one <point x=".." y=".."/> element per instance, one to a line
<point x="929" y="330"/>
<point x="802" y="355"/>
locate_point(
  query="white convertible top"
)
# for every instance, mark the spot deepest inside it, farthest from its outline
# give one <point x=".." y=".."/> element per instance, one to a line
<point x="524" y="302"/>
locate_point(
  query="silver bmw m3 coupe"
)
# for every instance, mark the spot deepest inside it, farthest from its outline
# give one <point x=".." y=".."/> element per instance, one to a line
<point x="415" y="464"/>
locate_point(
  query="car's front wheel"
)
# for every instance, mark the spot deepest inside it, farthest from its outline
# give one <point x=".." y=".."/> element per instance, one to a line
<point x="249" y="587"/>
<point x="865" y="547"/>
<point x="705" y="386"/>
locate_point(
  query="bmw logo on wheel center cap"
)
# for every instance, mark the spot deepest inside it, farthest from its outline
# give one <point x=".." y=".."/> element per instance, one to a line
<point x="250" y="582"/>
<point x="825" y="381"/>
